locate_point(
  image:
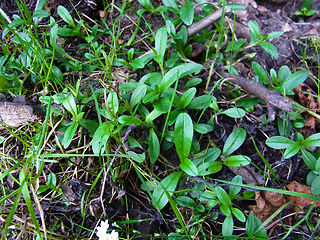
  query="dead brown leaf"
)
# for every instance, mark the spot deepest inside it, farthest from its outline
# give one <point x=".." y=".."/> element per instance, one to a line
<point x="305" y="96"/>
<point x="300" y="202"/>
<point x="269" y="202"/>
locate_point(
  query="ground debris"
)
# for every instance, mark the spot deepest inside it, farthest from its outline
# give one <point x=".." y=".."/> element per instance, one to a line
<point x="15" y="113"/>
<point x="269" y="202"/>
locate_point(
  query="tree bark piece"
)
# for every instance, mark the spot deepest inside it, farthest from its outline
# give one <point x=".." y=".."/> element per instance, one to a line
<point x="272" y="98"/>
<point x="205" y="22"/>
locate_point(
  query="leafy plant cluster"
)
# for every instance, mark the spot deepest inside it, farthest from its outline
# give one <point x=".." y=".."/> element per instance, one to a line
<point x="167" y="100"/>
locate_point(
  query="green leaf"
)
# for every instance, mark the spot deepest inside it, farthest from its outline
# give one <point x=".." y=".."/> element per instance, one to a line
<point x="167" y="185"/>
<point x="189" y="167"/>
<point x="234" y="112"/>
<point x="208" y="168"/>
<point x="171" y="5"/>
<point x="315" y="186"/>
<point x="308" y="159"/>
<point x="169" y="78"/>
<point x="187" y="13"/>
<point x="295" y="80"/>
<point x="13" y="24"/>
<point x="68" y="135"/>
<point x="317" y="166"/>
<point x="90" y="125"/>
<point x="310" y="177"/>
<point x="203" y="128"/>
<point x="65" y="15"/>
<point x="252" y="224"/>
<point x="292" y="150"/>
<point x="79" y="117"/>
<point x="238" y="214"/>
<point x="40" y="13"/>
<point x="234" y="141"/>
<point x="234" y="190"/>
<point x="225" y="210"/>
<point x="200" y="208"/>
<point x="261" y="73"/>
<point x="146" y="4"/>
<point x="269" y="48"/>
<point x="53" y="35"/>
<point x="193" y="82"/>
<point x="254" y="31"/>
<point x="236" y="46"/>
<point x="279" y="142"/>
<point x="171" y="30"/>
<point x="161" y="43"/>
<point x="129" y="120"/>
<point x="223" y="196"/>
<point x="274" y="35"/>
<point x="227" y="226"/>
<point x="312" y="141"/>
<point x="138" y="63"/>
<point x="149" y="97"/>
<point x="138" y="157"/>
<point x="52" y="181"/>
<point x="185" y="201"/>
<point x="101" y="136"/>
<point x="206" y="161"/>
<point x="67" y="100"/>
<point x="208" y="155"/>
<point x="183" y="133"/>
<point x="42" y="188"/>
<point x="178" y="72"/>
<point x="153" y="115"/>
<point x="284" y="73"/>
<point x="154" y="146"/>
<point x="248" y="102"/>
<point x="187" y="97"/>
<point x="237" y="161"/>
<point x="161" y="106"/>
<point x="201" y="102"/>
<point x="235" y="6"/>
<point x="306" y="5"/>
<point x="67" y="32"/>
<point x="138" y="95"/>
<point x="113" y="104"/>
<point x="173" y="116"/>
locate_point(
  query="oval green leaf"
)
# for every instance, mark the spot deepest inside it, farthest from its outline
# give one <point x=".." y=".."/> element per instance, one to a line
<point x="187" y="97"/>
<point x="138" y="95"/>
<point x="185" y="201"/>
<point x="65" y="15"/>
<point x="279" y="142"/>
<point x="295" y="80"/>
<point x="165" y="187"/>
<point x="189" y="167"/>
<point x="183" y="133"/>
<point x="187" y="13"/>
<point x="234" y="141"/>
<point x="201" y="102"/>
<point x="269" y="48"/>
<point x="312" y="141"/>
<point x="238" y="214"/>
<point x="223" y="196"/>
<point x="154" y="146"/>
<point x="237" y="161"/>
<point x="234" y="112"/>
<point x="101" y="136"/>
